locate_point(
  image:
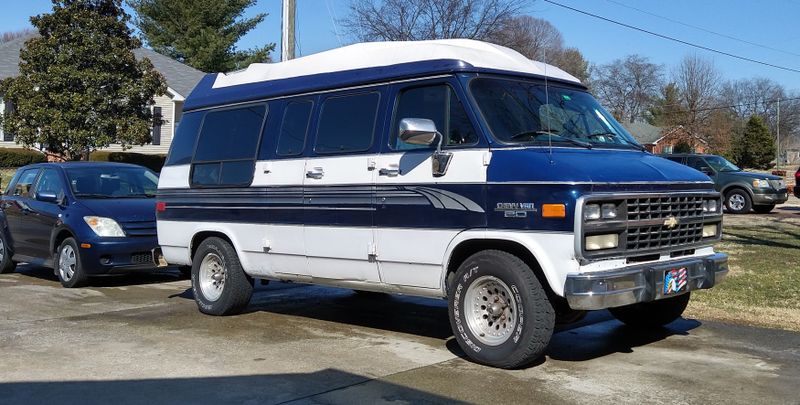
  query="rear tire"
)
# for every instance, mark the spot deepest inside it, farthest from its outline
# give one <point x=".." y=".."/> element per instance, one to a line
<point x="6" y="264"/>
<point x="68" y="265"/>
<point x="763" y="209"/>
<point x="219" y="283"/>
<point x="652" y="314"/>
<point x="737" y="201"/>
<point x="499" y="311"/>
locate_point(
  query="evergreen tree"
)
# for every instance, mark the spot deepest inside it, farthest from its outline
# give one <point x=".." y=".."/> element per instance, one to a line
<point x="200" y="33"/>
<point x="80" y="87"/>
<point x="756" y="148"/>
<point x="667" y="110"/>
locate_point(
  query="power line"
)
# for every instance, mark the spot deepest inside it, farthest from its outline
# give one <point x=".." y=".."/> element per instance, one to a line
<point x="674" y="39"/>
<point x="703" y="29"/>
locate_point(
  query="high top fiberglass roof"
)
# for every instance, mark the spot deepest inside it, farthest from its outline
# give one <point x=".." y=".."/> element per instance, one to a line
<point x="381" y="54"/>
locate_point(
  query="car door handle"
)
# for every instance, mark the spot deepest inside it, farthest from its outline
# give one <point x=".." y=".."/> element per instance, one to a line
<point x="315" y="173"/>
<point x="389" y="172"/>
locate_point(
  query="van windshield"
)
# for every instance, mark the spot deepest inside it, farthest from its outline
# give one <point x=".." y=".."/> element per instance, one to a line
<point x="522" y="112"/>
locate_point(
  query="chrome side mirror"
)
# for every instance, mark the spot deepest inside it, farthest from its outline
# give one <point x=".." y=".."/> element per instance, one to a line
<point x="419" y="131"/>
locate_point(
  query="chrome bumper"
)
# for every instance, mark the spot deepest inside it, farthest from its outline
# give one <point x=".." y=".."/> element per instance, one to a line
<point x="643" y="283"/>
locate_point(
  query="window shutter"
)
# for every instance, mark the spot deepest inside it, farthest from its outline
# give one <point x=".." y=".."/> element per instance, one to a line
<point x="8" y="137"/>
<point x="156" y="126"/>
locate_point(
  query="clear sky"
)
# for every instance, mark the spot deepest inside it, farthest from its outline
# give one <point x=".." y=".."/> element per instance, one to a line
<point x="773" y="23"/>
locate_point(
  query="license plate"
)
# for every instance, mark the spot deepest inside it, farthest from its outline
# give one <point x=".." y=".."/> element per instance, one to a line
<point x="676" y="281"/>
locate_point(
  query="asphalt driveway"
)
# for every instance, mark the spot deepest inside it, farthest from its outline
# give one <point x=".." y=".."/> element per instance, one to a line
<point x="140" y="339"/>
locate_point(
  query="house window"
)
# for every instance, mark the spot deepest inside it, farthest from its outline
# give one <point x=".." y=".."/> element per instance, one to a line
<point x="667" y="149"/>
<point x="156" y="126"/>
<point x="5" y="107"/>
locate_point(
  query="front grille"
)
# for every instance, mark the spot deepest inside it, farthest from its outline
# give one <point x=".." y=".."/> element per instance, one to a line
<point x="142" y="258"/>
<point x="662" y="207"/>
<point x="655" y="237"/>
<point x="778" y="184"/>
<point x="139" y="228"/>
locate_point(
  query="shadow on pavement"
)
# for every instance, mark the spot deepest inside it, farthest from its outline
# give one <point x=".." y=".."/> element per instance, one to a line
<point x="131" y="279"/>
<point x="331" y="384"/>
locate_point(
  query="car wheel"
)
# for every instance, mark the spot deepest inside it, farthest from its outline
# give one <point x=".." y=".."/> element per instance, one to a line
<point x="6" y="264"/>
<point x="499" y="311"/>
<point x="219" y="283"/>
<point x="763" y="209"/>
<point x="68" y="265"/>
<point x="652" y="314"/>
<point x="738" y="202"/>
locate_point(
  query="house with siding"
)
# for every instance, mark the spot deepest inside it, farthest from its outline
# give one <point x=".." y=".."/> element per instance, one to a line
<point x="180" y="79"/>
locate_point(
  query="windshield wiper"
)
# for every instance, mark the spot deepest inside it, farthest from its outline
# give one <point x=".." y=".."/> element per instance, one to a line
<point x="561" y="138"/>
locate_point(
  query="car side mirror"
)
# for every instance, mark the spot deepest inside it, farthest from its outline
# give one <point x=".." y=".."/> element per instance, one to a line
<point x="422" y="131"/>
<point x="47" y="196"/>
<point x="707" y="170"/>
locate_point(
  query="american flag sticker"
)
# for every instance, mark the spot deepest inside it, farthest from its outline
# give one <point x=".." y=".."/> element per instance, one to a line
<point x="675" y="280"/>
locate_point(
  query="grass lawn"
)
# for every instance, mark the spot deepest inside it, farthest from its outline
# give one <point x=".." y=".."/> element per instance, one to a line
<point x="763" y="286"/>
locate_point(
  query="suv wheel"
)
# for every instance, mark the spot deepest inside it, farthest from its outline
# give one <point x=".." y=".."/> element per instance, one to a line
<point x="738" y="202"/>
<point x="6" y="265"/>
<point x="68" y="265"/>
<point x="219" y="283"/>
<point x="499" y="311"/>
<point x="652" y="314"/>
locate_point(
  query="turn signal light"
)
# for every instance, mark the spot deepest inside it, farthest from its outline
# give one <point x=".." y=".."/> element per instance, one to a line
<point x="161" y="206"/>
<point x="554" y="211"/>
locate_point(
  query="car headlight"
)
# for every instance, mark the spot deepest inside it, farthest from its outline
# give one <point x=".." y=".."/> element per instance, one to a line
<point x="709" y="230"/>
<point x="761" y="183"/>
<point x="597" y="211"/>
<point x="599" y="242"/>
<point x="591" y="211"/>
<point x="710" y="205"/>
<point x="106" y="227"/>
<point x="608" y="211"/>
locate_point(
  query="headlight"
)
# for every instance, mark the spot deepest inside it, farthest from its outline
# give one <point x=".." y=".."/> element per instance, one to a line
<point x="591" y="211"/>
<point x="104" y="226"/>
<point x="709" y="205"/>
<point x="761" y="183"/>
<point x="598" y="242"/>
<point x="709" y="230"/>
<point x="608" y="211"/>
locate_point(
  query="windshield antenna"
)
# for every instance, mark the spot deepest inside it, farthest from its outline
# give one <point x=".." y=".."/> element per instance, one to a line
<point x="547" y="108"/>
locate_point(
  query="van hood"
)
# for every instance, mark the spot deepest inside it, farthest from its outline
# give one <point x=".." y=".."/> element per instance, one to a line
<point x="570" y="165"/>
<point x="122" y="209"/>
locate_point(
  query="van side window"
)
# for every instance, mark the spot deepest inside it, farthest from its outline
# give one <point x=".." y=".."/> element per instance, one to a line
<point x="440" y="104"/>
<point x="227" y="146"/>
<point x="183" y="145"/>
<point x="292" y="137"/>
<point x="23" y="186"/>
<point x="347" y="123"/>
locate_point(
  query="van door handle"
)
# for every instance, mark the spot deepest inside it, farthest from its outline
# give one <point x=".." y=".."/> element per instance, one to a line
<point x="315" y="173"/>
<point x="389" y="172"/>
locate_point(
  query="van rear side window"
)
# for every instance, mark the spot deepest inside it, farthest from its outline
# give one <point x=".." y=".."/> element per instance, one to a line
<point x="292" y="138"/>
<point x="185" y="137"/>
<point x="227" y="147"/>
<point x="347" y="123"/>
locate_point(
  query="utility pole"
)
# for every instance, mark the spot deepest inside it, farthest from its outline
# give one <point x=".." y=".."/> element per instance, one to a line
<point x="778" y="146"/>
<point x="287" y="29"/>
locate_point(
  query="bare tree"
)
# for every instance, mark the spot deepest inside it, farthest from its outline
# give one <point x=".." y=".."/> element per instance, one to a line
<point x="698" y="82"/>
<point x="628" y="86"/>
<point x="11" y="35"/>
<point x="409" y="20"/>
<point x="533" y="37"/>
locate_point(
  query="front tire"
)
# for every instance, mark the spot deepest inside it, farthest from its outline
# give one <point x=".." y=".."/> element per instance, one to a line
<point x="499" y="312"/>
<point x="6" y="264"/>
<point x="219" y="283"/>
<point x="738" y="202"/>
<point x="763" y="209"/>
<point x="68" y="265"/>
<point x="652" y="314"/>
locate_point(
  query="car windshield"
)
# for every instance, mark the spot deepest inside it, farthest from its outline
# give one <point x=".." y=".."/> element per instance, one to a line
<point x="112" y="182"/>
<point x="721" y="164"/>
<point x="526" y="112"/>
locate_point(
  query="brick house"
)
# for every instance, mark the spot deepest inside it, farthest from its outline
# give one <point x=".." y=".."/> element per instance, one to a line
<point x="659" y="140"/>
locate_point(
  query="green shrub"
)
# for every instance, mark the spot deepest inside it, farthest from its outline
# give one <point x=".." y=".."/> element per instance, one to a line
<point x="16" y="157"/>
<point x="153" y="162"/>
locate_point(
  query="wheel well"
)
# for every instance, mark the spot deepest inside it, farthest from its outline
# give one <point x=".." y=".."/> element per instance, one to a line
<point x="470" y="247"/>
<point x="201" y="236"/>
<point x="63" y="234"/>
<point x="735" y="187"/>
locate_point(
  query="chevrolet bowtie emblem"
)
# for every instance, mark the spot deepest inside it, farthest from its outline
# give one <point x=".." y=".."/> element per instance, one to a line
<point x="671" y="222"/>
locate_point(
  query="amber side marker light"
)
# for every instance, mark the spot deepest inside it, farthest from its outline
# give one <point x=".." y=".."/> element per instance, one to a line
<point x="554" y="211"/>
<point x="85" y="246"/>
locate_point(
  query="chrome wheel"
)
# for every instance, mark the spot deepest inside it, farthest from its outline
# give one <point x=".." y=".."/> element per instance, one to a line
<point x="212" y="276"/>
<point x="2" y="250"/>
<point x="67" y="262"/>
<point x="490" y="310"/>
<point x="736" y="202"/>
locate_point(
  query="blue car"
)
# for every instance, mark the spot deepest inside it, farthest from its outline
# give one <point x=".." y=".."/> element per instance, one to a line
<point x="81" y="219"/>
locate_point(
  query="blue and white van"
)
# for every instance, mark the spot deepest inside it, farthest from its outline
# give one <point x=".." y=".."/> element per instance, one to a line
<point x="451" y="169"/>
